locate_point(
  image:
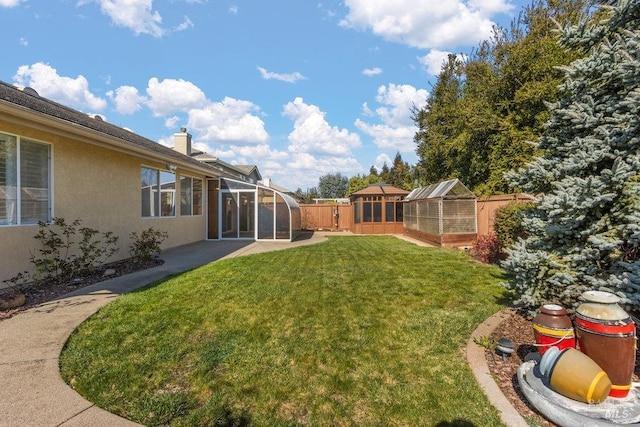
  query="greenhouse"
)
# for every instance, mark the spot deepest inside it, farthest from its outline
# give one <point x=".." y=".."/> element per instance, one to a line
<point x="252" y="211"/>
<point x="443" y="214"/>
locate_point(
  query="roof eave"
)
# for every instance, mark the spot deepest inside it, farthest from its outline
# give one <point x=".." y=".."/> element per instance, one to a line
<point x="34" y="119"/>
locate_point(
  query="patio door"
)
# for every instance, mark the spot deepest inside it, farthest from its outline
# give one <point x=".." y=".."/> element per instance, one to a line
<point x="238" y="214"/>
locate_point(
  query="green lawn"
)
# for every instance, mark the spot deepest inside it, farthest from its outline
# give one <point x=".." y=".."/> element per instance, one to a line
<point x="354" y="331"/>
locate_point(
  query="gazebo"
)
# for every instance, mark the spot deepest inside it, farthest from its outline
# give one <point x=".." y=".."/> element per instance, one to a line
<point x="443" y="214"/>
<point x="378" y="209"/>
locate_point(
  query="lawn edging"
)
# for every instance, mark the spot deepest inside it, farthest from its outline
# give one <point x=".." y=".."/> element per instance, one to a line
<point x="475" y="354"/>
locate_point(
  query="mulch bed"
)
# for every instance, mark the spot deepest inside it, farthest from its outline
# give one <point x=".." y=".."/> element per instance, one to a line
<point x="517" y="327"/>
<point x="37" y="295"/>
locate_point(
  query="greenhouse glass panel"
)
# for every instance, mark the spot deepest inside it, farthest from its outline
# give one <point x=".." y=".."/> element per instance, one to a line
<point x="247" y="215"/>
<point x="458" y="225"/>
<point x="229" y="215"/>
<point x="266" y="214"/>
<point x="283" y="223"/>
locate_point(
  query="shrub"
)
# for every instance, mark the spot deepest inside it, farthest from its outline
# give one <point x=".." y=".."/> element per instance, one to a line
<point x="58" y="258"/>
<point x="508" y="224"/>
<point x="146" y="245"/>
<point x="487" y="249"/>
<point x="94" y="253"/>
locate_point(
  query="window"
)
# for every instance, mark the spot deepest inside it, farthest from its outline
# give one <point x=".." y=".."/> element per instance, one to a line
<point x="372" y="209"/>
<point x="25" y="181"/>
<point x="388" y="211"/>
<point x="157" y="203"/>
<point x="190" y="196"/>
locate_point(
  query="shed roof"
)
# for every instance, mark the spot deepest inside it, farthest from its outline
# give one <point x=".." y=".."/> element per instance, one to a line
<point x="28" y="100"/>
<point x="380" y="189"/>
<point x="452" y="188"/>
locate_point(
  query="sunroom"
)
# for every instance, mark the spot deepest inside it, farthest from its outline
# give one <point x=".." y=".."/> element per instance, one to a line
<point x="256" y="212"/>
<point x="443" y="214"/>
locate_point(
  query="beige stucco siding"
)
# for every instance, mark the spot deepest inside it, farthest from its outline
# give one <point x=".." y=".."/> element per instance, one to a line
<point x="99" y="186"/>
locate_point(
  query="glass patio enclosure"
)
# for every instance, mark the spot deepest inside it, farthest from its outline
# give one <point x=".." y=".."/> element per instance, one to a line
<point x="252" y="211"/>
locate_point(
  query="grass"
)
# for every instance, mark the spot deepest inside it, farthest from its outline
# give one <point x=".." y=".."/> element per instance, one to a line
<point x="354" y="331"/>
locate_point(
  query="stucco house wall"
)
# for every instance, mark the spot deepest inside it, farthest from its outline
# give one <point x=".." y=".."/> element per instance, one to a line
<point x="96" y="178"/>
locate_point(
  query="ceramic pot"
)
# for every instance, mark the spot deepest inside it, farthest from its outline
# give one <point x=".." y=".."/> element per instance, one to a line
<point x="552" y="327"/>
<point x="607" y="334"/>
<point x="574" y="375"/>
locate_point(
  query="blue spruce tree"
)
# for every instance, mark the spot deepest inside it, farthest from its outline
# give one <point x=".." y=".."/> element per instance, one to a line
<point x="584" y="232"/>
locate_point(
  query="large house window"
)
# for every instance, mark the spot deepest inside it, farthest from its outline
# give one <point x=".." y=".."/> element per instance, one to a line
<point x="158" y="191"/>
<point x="190" y="196"/>
<point x="25" y="181"/>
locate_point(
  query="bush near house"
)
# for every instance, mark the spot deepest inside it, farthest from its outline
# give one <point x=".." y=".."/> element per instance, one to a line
<point x="60" y="257"/>
<point x="146" y="245"/>
<point x="67" y="251"/>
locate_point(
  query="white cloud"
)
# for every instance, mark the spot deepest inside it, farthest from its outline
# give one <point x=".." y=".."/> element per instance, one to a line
<point x="127" y="99"/>
<point x="137" y="15"/>
<point x="402" y="99"/>
<point x="387" y="137"/>
<point x="381" y="160"/>
<point x="305" y="169"/>
<point x="491" y="7"/>
<point x="313" y="134"/>
<point x="258" y="153"/>
<point x="397" y="128"/>
<point x="171" y="122"/>
<point x="230" y="120"/>
<point x="170" y="96"/>
<point x="233" y="10"/>
<point x="432" y="61"/>
<point x="426" y="24"/>
<point x="23" y="41"/>
<point x="65" y="90"/>
<point x="289" y="78"/>
<point x="9" y="3"/>
<point x="187" y="23"/>
<point x="369" y="72"/>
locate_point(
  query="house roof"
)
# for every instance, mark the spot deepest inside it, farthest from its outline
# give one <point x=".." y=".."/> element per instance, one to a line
<point x="380" y="189"/>
<point x="218" y="164"/>
<point x="452" y="188"/>
<point x="15" y="102"/>
<point x="249" y="169"/>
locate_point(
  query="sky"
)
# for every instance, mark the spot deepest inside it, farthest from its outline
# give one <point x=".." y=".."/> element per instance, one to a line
<point x="299" y="88"/>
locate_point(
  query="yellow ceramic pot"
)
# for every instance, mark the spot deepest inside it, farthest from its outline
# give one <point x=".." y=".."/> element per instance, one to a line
<point x="573" y="374"/>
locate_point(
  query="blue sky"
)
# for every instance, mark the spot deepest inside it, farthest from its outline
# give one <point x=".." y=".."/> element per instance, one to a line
<point x="299" y="88"/>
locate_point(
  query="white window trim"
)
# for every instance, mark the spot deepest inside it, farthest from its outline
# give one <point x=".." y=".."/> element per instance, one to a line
<point x="50" y="203"/>
<point x="159" y="207"/>
<point x="201" y="195"/>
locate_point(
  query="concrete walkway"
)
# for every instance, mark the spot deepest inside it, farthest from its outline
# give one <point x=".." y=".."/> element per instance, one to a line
<point x="32" y="393"/>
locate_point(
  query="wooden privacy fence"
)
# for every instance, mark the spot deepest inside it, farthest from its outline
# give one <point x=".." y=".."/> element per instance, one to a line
<point x="322" y="216"/>
<point x="488" y="206"/>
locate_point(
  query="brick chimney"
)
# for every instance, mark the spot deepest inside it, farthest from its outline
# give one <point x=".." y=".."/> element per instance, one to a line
<point x="182" y="142"/>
